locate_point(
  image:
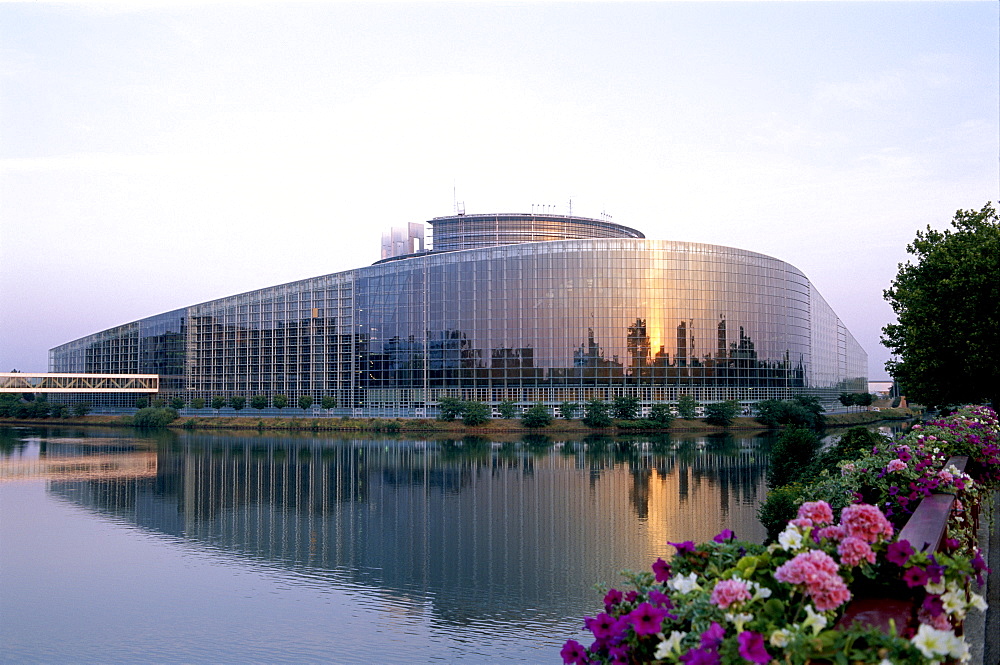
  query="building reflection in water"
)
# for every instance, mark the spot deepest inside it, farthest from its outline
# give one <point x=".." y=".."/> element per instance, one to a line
<point x="474" y="528"/>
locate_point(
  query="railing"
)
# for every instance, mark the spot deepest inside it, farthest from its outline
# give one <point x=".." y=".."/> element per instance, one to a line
<point x="925" y="531"/>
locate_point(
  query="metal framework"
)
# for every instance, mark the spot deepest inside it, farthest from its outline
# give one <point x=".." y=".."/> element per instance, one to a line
<point x="21" y="382"/>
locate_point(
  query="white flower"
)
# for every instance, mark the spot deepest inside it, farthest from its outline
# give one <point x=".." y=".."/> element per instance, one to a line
<point x="954" y="602"/>
<point x="738" y="620"/>
<point x="959" y="649"/>
<point x="684" y="583"/>
<point x="815" y="621"/>
<point x="759" y="591"/>
<point x="780" y="638"/>
<point x="935" y="588"/>
<point x="885" y="661"/>
<point x="933" y="642"/>
<point x="669" y="646"/>
<point x="978" y="602"/>
<point x="790" y="539"/>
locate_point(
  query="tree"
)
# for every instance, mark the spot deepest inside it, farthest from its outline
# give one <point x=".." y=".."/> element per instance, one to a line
<point x="661" y="414"/>
<point x="722" y="414"/>
<point x="625" y="408"/>
<point x="218" y="402"/>
<point x="305" y="401"/>
<point x="237" y="402"/>
<point x="328" y="402"/>
<point x="687" y="407"/>
<point x="141" y="402"/>
<point x="568" y="409"/>
<point x="864" y="399"/>
<point x="450" y="408"/>
<point x="846" y="399"/>
<point x="507" y="410"/>
<point x="59" y="411"/>
<point x="81" y="409"/>
<point x="280" y="401"/>
<point x="475" y="413"/>
<point x="259" y="402"/>
<point x="198" y="403"/>
<point x="537" y="416"/>
<point x="947" y="308"/>
<point x="177" y="403"/>
<point x="595" y="414"/>
<point x="791" y="455"/>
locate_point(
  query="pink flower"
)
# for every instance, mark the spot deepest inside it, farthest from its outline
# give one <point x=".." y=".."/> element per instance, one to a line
<point x="834" y="533"/>
<point x="831" y="594"/>
<point x="896" y="465"/>
<point x="817" y="572"/>
<point x="727" y="592"/>
<point x="853" y="550"/>
<point x="866" y="522"/>
<point x="817" y="511"/>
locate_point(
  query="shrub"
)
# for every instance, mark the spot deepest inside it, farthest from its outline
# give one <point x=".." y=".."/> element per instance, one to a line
<point x="153" y="417"/>
<point x="722" y="414"/>
<point x="141" y="402"/>
<point x="791" y="455"/>
<point x="450" y="408"/>
<point x="475" y="414"/>
<point x="625" y="408"/>
<point x="507" y="410"/>
<point x="595" y="414"/>
<point x="81" y="409"/>
<point x="568" y="409"/>
<point x="662" y="415"/>
<point x="687" y="407"/>
<point x="537" y="416"/>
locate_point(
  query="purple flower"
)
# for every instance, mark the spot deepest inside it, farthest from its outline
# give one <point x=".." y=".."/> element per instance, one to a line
<point x="932" y="605"/>
<point x="662" y="570"/>
<point x="713" y="636"/>
<point x="612" y="598"/>
<point x="899" y="552"/>
<point x="660" y="599"/>
<point x="915" y="577"/>
<point x="647" y="619"/>
<point x="701" y="657"/>
<point x="724" y="535"/>
<point x="631" y="596"/>
<point x="752" y="648"/>
<point x="686" y="546"/>
<point x="603" y="626"/>
<point x="573" y="652"/>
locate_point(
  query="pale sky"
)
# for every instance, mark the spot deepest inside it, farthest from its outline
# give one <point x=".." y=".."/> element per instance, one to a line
<point x="154" y="158"/>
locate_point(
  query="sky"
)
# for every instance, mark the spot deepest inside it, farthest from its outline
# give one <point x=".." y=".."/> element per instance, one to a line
<point x="159" y="156"/>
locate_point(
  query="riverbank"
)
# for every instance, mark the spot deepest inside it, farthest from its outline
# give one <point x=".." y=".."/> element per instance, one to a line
<point x="423" y="425"/>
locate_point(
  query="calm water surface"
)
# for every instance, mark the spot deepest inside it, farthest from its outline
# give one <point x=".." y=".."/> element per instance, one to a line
<point x="125" y="547"/>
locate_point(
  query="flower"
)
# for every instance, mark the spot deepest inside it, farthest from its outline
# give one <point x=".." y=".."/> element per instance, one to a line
<point x="832" y="532"/>
<point x="701" y="657"/>
<point x="686" y="547"/>
<point x="738" y="620"/>
<point x="659" y="598"/>
<point x="790" y="539"/>
<point x="915" y="576"/>
<point x="670" y="645"/>
<point x="899" y="552"/>
<point x="612" y="598"/>
<point x="814" y="621"/>
<point x="728" y="592"/>
<point x="853" y="550"/>
<point x="817" y="511"/>
<point x="573" y="652"/>
<point x="752" y="648"/>
<point x="713" y="636"/>
<point x="724" y="535"/>
<point x="934" y="643"/>
<point x="780" y="638"/>
<point x="647" y="619"/>
<point x="603" y="626"/>
<point x="662" y="570"/>
<point x="684" y="583"/>
<point x="896" y="465"/>
<point x="866" y="522"/>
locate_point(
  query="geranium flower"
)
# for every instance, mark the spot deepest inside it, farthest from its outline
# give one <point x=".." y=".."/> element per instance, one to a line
<point x="647" y="619"/>
<point x="727" y="592"/>
<point x="752" y="648"/>
<point x="853" y="551"/>
<point x="573" y="652"/>
<point x="817" y="511"/>
<point x="866" y="522"/>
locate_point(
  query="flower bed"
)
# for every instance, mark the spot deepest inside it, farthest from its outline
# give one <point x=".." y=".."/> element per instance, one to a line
<point x="731" y="602"/>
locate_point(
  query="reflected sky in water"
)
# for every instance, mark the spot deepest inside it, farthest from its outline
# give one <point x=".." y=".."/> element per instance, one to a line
<point x="235" y="548"/>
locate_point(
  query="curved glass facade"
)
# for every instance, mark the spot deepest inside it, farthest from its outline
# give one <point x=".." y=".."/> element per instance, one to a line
<point x="546" y="321"/>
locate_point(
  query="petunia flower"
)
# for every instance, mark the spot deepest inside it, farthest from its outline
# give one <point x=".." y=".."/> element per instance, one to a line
<point x="701" y="657"/>
<point x="713" y="636"/>
<point x="686" y="547"/>
<point x="647" y="619"/>
<point x="915" y="576"/>
<point x="669" y="646"/>
<point x="752" y="648"/>
<point x="661" y="569"/>
<point x="899" y="552"/>
<point x="724" y="535"/>
<point x="573" y="653"/>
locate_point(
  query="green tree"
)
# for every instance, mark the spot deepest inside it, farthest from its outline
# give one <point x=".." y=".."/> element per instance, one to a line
<point x="177" y="403"/>
<point x="947" y="308"/>
<point x="153" y="417"/>
<point x="568" y="409"/>
<point x="846" y="399"/>
<point x="537" y="416"/>
<point x="81" y="409"/>
<point x="329" y="402"/>
<point x="507" y="410"/>
<point x="198" y="403"/>
<point x="450" y="408"/>
<point x="687" y="407"/>
<point x="661" y="414"/>
<point x="141" y="402"/>
<point x="218" y="402"/>
<point x="475" y="413"/>
<point x="237" y="402"/>
<point x="864" y="399"/>
<point x="305" y="401"/>
<point x="791" y="455"/>
<point x="722" y="414"/>
<point x="280" y="401"/>
<point x="625" y="408"/>
<point x="59" y="411"/>
<point x="259" y="402"/>
<point x="595" y="414"/>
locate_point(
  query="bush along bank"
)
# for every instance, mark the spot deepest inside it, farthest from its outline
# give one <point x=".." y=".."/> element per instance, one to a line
<point x="733" y="602"/>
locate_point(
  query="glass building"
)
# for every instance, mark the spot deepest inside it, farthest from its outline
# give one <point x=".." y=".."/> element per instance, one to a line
<point x="512" y="307"/>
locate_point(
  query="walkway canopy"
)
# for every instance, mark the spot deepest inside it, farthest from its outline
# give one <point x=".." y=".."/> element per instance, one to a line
<point x="23" y="382"/>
